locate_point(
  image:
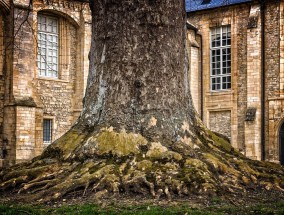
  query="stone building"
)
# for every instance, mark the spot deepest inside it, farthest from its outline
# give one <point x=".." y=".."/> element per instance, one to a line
<point x="44" y="48"/>
<point x="236" y="49"/>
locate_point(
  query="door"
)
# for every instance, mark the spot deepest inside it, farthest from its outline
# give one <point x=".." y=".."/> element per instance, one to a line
<point x="281" y="144"/>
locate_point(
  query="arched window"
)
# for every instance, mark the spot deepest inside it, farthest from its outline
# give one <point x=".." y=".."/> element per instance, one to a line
<point x="55" y="42"/>
<point x="48" y="46"/>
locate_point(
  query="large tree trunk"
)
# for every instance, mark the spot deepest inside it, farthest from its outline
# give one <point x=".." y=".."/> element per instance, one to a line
<point x="138" y="132"/>
<point x="139" y="72"/>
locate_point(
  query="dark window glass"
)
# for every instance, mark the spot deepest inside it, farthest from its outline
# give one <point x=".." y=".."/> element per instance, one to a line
<point x="47" y="130"/>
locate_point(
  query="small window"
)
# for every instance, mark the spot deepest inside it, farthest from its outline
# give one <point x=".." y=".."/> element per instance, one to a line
<point x="47" y="130"/>
<point x="220" y="77"/>
<point x="47" y="57"/>
<point x="206" y="1"/>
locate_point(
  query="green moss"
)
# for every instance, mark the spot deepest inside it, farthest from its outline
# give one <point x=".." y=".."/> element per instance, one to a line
<point x="219" y="165"/>
<point x="30" y="173"/>
<point x="64" y="146"/>
<point x="119" y="144"/>
<point x="160" y="152"/>
<point x="191" y="162"/>
<point x="196" y="172"/>
<point x="144" y="165"/>
<point x="220" y="142"/>
<point x="245" y="167"/>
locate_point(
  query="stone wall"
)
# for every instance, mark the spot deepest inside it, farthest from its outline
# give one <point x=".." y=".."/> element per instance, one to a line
<point x="220" y="121"/>
<point x="30" y="98"/>
<point x="2" y="88"/>
<point x="241" y="61"/>
<point x="246" y="92"/>
<point x="274" y="91"/>
<point x="56" y="95"/>
<point x="195" y="77"/>
<point x="254" y="83"/>
<point x="226" y="100"/>
<point x="194" y="70"/>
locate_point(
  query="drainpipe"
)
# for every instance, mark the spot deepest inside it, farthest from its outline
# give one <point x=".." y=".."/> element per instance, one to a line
<point x="201" y="78"/>
<point x="262" y="11"/>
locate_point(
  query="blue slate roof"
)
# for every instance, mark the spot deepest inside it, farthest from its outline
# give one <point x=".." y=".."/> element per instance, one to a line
<point x="195" y="5"/>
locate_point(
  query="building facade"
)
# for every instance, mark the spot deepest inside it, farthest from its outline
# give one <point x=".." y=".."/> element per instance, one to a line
<point x="236" y="52"/>
<point x="236" y="49"/>
<point x="44" y="64"/>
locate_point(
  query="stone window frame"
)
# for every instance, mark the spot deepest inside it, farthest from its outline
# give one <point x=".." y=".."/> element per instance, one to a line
<point x="64" y="45"/>
<point x="220" y="58"/>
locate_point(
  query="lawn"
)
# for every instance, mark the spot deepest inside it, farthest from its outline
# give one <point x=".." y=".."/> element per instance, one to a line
<point x="147" y="209"/>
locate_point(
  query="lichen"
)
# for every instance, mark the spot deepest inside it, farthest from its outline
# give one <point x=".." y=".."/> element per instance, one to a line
<point x="118" y="144"/>
<point x="159" y="152"/>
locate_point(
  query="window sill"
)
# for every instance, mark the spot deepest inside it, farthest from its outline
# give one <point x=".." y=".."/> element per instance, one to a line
<point x="220" y="92"/>
<point x="52" y="79"/>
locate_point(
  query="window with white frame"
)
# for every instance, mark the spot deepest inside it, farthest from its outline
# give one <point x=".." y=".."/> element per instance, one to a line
<point x="220" y="77"/>
<point x="47" y="58"/>
<point x="47" y="130"/>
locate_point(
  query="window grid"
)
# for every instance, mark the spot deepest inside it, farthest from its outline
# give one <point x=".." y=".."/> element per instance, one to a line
<point x="47" y="130"/>
<point x="220" y="77"/>
<point x="47" y="59"/>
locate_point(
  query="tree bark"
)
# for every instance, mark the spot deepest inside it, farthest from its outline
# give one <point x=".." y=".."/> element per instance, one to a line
<point x="138" y="132"/>
<point x="139" y="72"/>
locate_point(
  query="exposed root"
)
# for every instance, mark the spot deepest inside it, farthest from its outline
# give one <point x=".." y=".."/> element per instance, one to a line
<point x="146" y="168"/>
<point x="13" y="182"/>
<point x="137" y="184"/>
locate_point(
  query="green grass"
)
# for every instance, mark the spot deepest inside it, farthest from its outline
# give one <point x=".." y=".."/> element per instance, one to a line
<point x="181" y="209"/>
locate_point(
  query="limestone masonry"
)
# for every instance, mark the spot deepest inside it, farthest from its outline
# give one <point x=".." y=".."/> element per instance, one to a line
<point x="240" y="74"/>
<point x="236" y="55"/>
<point x="43" y="73"/>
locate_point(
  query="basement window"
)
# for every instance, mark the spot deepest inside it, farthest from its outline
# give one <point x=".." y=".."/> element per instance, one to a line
<point x="220" y="77"/>
<point x="47" y="131"/>
<point x="206" y="1"/>
<point x="47" y="57"/>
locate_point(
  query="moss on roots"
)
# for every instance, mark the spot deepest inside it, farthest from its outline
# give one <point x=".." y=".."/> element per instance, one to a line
<point x="110" y="162"/>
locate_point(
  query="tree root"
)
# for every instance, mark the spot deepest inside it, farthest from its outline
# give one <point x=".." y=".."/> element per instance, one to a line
<point x="209" y="171"/>
<point x="137" y="184"/>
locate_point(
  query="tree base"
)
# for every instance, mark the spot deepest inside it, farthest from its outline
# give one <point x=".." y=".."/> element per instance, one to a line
<point x="107" y="163"/>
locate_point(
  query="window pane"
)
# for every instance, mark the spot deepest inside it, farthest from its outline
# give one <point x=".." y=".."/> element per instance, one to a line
<point x="220" y="58"/>
<point x="47" y="130"/>
<point x="47" y="46"/>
